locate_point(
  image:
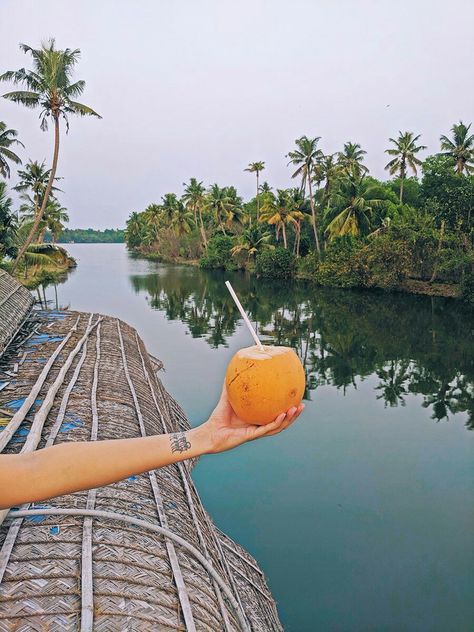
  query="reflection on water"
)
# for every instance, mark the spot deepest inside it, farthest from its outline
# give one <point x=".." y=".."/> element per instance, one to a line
<point x="418" y="346"/>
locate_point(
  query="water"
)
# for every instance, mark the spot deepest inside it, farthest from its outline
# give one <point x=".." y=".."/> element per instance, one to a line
<point x="361" y="514"/>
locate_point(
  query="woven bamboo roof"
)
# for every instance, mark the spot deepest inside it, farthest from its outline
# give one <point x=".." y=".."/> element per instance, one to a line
<point x="84" y="377"/>
<point x="15" y="305"/>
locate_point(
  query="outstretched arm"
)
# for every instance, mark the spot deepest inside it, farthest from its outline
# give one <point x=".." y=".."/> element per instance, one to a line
<point x="74" y="466"/>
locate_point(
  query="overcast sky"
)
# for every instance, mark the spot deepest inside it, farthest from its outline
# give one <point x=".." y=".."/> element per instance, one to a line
<point x="202" y="87"/>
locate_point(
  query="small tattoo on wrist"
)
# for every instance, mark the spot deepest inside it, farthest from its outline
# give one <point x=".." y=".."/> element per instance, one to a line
<point x="179" y="442"/>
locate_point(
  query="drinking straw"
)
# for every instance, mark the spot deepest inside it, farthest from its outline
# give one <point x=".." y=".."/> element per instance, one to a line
<point x="243" y="314"/>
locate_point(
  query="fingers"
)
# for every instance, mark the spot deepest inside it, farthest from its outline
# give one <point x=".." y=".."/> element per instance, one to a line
<point x="280" y="423"/>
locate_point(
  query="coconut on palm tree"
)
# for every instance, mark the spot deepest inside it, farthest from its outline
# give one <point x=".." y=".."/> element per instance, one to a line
<point x="405" y="157"/>
<point x="351" y="158"/>
<point x="256" y="168"/>
<point x="305" y="158"/>
<point x="194" y="197"/>
<point x="460" y="148"/>
<point x="49" y="87"/>
<point x="354" y="200"/>
<point x="8" y="137"/>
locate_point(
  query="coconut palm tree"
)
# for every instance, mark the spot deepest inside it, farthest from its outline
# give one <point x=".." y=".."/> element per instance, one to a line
<point x="351" y="158"/>
<point x="252" y="241"/>
<point x="460" y="148"/>
<point x="194" y="197"/>
<point x="49" y="87"/>
<point x="223" y="205"/>
<point x="34" y="177"/>
<point x="53" y="219"/>
<point x="405" y="158"/>
<point x="8" y="137"/>
<point x="182" y="221"/>
<point x="169" y="204"/>
<point x="355" y="200"/>
<point x="305" y="157"/>
<point x="280" y="211"/>
<point x="327" y="170"/>
<point x="265" y="187"/>
<point x="256" y="168"/>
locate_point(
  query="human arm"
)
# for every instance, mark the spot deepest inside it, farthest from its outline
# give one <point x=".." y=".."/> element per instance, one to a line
<point x="74" y="466"/>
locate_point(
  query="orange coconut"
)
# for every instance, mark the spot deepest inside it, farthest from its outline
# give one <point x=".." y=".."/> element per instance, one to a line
<point x="262" y="383"/>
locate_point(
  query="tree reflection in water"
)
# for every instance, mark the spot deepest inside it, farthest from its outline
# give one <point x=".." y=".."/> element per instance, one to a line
<point x="411" y="344"/>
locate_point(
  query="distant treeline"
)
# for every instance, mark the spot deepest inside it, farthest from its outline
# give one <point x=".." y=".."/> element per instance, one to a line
<point x="90" y="236"/>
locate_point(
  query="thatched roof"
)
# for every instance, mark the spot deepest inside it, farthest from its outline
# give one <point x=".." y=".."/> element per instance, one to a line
<point x="15" y="305"/>
<point x="98" y="572"/>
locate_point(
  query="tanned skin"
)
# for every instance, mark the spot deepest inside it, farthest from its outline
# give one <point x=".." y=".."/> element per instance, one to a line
<point x="75" y="466"/>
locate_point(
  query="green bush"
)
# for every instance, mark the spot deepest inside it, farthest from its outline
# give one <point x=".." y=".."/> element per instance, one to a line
<point x="341" y="265"/>
<point x="278" y="263"/>
<point x="386" y="261"/>
<point x="218" y="253"/>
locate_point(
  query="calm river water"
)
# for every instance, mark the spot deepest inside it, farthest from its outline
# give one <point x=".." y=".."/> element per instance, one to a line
<point x="361" y="515"/>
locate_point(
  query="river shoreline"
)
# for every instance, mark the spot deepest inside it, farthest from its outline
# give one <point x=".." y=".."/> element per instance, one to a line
<point x="409" y="286"/>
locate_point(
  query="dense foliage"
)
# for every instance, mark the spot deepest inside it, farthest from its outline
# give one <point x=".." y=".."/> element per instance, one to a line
<point x="89" y="236"/>
<point x="341" y="225"/>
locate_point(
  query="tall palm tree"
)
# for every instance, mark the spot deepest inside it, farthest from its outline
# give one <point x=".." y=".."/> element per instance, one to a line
<point x="357" y="198"/>
<point x="351" y="158"/>
<point x="280" y="211"/>
<point x="8" y="137"/>
<point x="305" y="157"/>
<point x="256" y="168"/>
<point x="405" y="158"/>
<point x="460" y="148"/>
<point x="194" y="197"/>
<point x="49" y="87"/>
<point x="327" y="170"/>
<point x="169" y="203"/>
<point x="55" y="217"/>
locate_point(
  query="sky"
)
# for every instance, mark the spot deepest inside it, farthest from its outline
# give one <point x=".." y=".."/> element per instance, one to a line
<point x="200" y="88"/>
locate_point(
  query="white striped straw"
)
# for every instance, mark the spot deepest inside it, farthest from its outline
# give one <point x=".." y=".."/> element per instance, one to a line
<point x="243" y="314"/>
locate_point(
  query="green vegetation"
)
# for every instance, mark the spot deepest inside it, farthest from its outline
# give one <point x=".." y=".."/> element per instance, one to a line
<point x="89" y="236"/>
<point x="340" y="226"/>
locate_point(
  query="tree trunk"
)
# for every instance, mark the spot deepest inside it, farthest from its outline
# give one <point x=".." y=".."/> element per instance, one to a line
<point x="203" y="232"/>
<point x="402" y="178"/>
<point x="47" y="193"/>
<point x="313" y="215"/>
<point x="258" y="205"/>
<point x="41" y="235"/>
<point x="440" y="243"/>
<point x="283" y="228"/>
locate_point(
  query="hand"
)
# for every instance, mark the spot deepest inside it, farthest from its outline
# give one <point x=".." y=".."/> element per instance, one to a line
<point x="224" y="430"/>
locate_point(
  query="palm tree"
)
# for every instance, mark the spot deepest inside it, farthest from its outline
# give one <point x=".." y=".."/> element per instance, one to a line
<point x="55" y="216"/>
<point x="351" y="158"/>
<point x="223" y="205"/>
<point x="182" y="221"/>
<point x="405" y="151"/>
<point x="280" y="211"/>
<point x="7" y="139"/>
<point x="7" y="224"/>
<point x="251" y="241"/>
<point x="265" y="187"/>
<point x="49" y="87"/>
<point x="305" y="157"/>
<point x="169" y="203"/>
<point x="356" y="197"/>
<point x="256" y="167"/>
<point x="34" y="177"/>
<point x="327" y="170"/>
<point x="460" y="148"/>
<point x="194" y="197"/>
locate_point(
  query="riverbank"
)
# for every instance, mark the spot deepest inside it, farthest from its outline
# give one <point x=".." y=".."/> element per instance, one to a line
<point x="408" y="286"/>
<point x="53" y="267"/>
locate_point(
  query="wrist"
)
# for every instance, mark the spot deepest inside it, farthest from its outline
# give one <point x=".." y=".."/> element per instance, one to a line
<point x="201" y="440"/>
